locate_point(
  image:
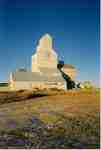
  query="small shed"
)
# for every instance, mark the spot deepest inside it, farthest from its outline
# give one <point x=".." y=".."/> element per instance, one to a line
<point x="70" y="71"/>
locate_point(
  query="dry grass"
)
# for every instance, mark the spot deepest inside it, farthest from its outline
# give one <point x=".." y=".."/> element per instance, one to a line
<point x="76" y="111"/>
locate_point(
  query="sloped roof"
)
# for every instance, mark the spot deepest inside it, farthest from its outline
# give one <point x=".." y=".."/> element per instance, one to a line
<point x="68" y="66"/>
<point x="35" y="77"/>
<point x="49" y="71"/>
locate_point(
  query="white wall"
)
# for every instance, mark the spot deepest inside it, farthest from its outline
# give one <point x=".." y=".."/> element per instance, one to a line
<point x="70" y="72"/>
<point x="31" y="85"/>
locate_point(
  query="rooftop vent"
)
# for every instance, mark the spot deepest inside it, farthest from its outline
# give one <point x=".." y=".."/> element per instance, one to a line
<point x="22" y="70"/>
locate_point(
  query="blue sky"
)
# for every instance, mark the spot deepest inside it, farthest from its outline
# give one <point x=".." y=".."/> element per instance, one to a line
<point x="73" y="24"/>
